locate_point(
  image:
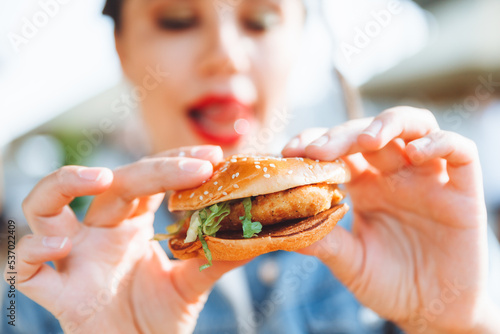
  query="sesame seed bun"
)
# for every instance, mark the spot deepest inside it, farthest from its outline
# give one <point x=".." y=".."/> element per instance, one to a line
<point x="229" y="246"/>
<point x="244" y="176"/>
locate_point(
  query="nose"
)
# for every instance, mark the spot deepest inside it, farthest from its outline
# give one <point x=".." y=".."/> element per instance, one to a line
<point x="223" y="52"/>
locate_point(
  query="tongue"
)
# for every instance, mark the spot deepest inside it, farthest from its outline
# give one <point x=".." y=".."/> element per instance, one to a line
<point x="218" y="119"/>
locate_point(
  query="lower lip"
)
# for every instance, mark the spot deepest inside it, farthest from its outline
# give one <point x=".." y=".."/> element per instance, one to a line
<point x="234" y="127"/>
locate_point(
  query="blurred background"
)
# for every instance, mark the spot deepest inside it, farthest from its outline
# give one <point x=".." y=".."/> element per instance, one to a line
<point x="64" y="99"/>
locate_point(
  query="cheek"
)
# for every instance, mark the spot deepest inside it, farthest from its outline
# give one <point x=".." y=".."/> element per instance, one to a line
<point x="275" y="57"/>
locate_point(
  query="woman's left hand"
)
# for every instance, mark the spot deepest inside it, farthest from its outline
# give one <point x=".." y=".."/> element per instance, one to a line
<point x="417" y="254"/>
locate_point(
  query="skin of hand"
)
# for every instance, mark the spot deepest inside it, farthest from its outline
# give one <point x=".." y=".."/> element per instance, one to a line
<point x="417" y="254"/>
<point x="109" y="276"/>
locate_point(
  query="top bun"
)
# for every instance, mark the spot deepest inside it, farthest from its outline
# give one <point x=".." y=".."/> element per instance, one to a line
<point x="243" y="176"/>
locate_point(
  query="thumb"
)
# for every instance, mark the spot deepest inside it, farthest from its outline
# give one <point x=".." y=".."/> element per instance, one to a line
<point x="192" y="284"/>
<point x="36" y="279"/>
<point x="342" y="252"/>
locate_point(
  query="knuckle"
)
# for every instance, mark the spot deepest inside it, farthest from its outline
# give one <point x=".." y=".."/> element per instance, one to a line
<point x="429" y="116"/>
<point x="160" y="165"/>
<point x="25" y="205"/>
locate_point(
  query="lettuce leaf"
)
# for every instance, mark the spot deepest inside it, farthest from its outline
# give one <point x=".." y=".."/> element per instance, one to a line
<point x="194" y="225"/>
<point x="250" y="229"/>
<point x="212" y="217"/>
<point x="208" y="253"/>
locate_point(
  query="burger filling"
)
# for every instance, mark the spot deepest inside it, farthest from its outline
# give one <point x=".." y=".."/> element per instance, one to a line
<point x="250" y="214"/>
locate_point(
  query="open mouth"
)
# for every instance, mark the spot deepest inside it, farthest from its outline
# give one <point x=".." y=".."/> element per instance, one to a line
<point x="220" y="120"/>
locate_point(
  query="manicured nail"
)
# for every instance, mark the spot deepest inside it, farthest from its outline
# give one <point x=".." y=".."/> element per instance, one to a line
<point x="206" y="152"/>
<point x="321" y="141"/>
<point x="421" y="144"/>
<point x="294" y="143"/>
<point x="195" y="166"/>
<point x="54" y="242"/>
<point x="90" y="174"/>
<point x="373" y="129"/>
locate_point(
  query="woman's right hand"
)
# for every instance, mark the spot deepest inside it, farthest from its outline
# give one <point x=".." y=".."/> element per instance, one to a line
<point x="109" y="276"/>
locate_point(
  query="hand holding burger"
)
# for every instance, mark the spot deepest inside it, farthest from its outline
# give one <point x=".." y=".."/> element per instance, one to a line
<point x="417" y="253"/>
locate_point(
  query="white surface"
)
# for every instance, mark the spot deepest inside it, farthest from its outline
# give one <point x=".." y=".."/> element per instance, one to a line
<point x="69" y="60"/>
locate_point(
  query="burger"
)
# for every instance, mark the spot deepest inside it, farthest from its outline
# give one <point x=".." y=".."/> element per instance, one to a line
<point x="257" y="204"/>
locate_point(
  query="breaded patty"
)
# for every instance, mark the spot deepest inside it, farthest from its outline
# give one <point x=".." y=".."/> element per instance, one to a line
<point x="300" y="202"/>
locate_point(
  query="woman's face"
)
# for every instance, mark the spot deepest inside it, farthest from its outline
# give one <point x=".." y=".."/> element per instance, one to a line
<point x="221" y="66"/>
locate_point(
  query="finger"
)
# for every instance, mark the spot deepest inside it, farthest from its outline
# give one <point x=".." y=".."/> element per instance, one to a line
<point x="460" y="153"/>
<point x="211" y="153"/>
<point x="46" y="207"/>
<point x="358" y="166"/>
<point x="149" y="204"/>
<point x="191" y="283"/>
<point x="339" y="141"/>
<point x="341" y="252"/>
<point x="144" y="178"/>
<point x="296" y="146"/>
<point x="400" y="122"/>
<point x="35" y="278"/>
<point x="391" y="158"/>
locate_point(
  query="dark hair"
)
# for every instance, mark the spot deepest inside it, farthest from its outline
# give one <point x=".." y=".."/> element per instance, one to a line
<point x="113" y="9"/>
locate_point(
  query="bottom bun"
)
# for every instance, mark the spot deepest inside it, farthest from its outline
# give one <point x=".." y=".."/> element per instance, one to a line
<point x="289" y="236"/>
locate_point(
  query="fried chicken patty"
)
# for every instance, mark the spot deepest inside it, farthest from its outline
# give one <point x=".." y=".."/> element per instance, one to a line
<point x="299" y="202"/>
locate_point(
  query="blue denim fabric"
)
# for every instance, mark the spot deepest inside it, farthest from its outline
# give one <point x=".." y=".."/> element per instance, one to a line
<point x="304" y="298"/>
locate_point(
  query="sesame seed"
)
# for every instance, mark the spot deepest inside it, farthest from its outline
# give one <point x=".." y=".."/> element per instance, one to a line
<point x="267" y="176"/>
<point x="201" y="198"/>
<point x="205" y="193"/>
<point x="192" y="195"/>
<point x="216" y="183"/>
<point x="265" y="169"/>
<point x="180" y="196"/>
<point x="236" y="186"/>
<point x="237" y="174"/>
<point x="224" y="193"/>
<point x="204" y="182"/>
<point x="257" y="166"/>
<point x="317" y="160"/>
<point x="233" y="176"/>
<point x="256" y="162"/>
<point x="272" y="165"/>
<point x="219" y="189"/>
<point x="290" y="172"/>
<point x="244" y="159"/>
<point x="234" y="160"/>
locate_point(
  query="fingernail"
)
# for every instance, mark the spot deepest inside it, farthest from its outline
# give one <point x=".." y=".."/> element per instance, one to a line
<point x="373" y="129"/>
<point x="206" y="152"/>
<point x="321" y="141"/>
<point x="90" y="174"/>
<point x="195" y="166"/>
<point x="54" y="242"/>
<point x="294" y="143"/>
<point x="421" y="144"/>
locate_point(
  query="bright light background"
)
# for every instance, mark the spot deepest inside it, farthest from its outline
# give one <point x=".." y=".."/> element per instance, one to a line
<point x="69" y="60"/>
<point x="72" y="59"/>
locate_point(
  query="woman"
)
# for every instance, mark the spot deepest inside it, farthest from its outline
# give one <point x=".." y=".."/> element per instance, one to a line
<point x="417" y="253"/>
